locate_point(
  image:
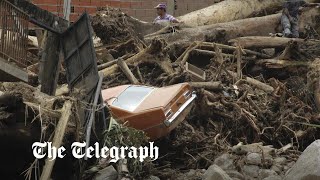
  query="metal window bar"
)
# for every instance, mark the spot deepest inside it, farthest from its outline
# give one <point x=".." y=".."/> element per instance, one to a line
<point x="13" y="34"/>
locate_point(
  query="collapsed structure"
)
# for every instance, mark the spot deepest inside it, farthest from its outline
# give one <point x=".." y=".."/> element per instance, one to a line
<point x="257" y="104"/>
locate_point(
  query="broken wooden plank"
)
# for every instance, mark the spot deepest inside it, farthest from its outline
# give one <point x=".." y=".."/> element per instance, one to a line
<point x="58" y="138"/>
<point x="125" y="69"/>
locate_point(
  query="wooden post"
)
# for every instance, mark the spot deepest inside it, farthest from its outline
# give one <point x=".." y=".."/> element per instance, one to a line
<point x="58" y="138"/>
<point x="50" y="64"/>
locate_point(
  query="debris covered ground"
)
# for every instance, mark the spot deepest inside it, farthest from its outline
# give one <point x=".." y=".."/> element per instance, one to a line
<point x="256" y="111"/>
<point x="273" y="104"/>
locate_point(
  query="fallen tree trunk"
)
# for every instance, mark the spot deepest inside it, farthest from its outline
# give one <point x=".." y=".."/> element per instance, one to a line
<point x="226" y="11"/>
<point x="263" y="41"/>
<point x="223" y="32"/>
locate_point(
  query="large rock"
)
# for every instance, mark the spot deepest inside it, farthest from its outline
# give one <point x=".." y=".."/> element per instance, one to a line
<point x="251" y="170"/>
<point x="214" y="172"/>
<point x="107" y="173"/>
<point x="225" y="161"/>
<point x="235" y="175"/>
<point x="264" y="173"/>
<point x="253" y="158"/>
<point x="308" y="165"/>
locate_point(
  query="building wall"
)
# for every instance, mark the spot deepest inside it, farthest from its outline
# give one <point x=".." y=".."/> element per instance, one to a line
<point x="141" y="9"/>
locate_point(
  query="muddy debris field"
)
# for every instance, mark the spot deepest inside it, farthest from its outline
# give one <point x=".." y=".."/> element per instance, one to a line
<point x="256" y="110"/>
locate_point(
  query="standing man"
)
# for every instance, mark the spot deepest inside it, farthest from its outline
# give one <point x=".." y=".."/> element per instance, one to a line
<point x="290" y="17"/>
<point x="163" y="17"/>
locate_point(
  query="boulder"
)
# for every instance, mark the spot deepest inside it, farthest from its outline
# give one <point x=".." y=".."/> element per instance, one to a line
<point x="253" y="158"/>
<point x="107" y="173"/>
<point x="251" y="170"/>
<point x="277" y="168"/>
<point x="280" y="160"/>
<point x="225" y="161"/>
<point x="235" y="174"/>
<point x="214" y="172"/>
<point x="307" y="166"/>
<point x="265" y="173"/>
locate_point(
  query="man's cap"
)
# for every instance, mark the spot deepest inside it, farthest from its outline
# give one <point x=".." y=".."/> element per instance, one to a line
<point x="161" y="6"/>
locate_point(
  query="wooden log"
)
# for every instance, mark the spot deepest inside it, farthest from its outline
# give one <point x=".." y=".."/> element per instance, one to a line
<point x="223" y="32"/>
<point x="207" y="85"/>
<point x="125" y="69"/>
<point x="263" y="41"/>
<point x="228" y="10"/>
<point x="277" y="63"/>
<point x="255" y="83"/>
<point x="58" y="138"/>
